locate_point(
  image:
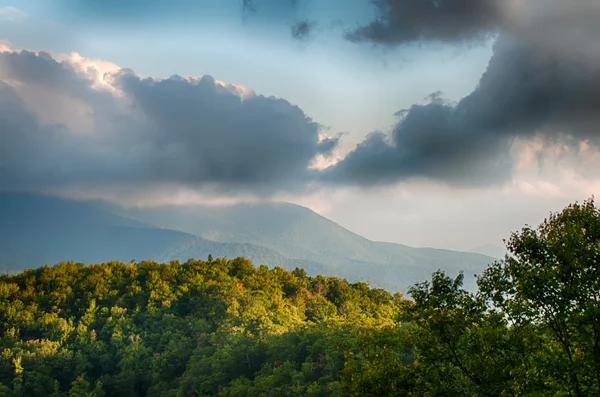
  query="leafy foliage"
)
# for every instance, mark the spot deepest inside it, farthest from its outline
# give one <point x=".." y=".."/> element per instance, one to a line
<point x="198" y="328"/>
<point x="532" y="329"/>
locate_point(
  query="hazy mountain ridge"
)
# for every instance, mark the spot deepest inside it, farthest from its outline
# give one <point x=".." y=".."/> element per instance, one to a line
<point x="298" y="232"/>
<point x="291" y="229"/>
<point x="38" y="230"/>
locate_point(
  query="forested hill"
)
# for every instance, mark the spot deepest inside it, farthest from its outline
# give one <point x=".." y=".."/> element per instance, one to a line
<point x="195" y="329"/>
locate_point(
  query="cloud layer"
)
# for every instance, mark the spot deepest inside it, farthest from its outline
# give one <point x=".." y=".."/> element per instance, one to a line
<point x="75" y="122"/>
<point x="542" y="80"/>
<point x="119" y="128"/>
<point x="404" y="21"/>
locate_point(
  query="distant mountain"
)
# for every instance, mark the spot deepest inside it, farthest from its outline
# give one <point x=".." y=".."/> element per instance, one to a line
<point x="36" y="230"/>
<point x="494" y="251"/>
<point x="297" y="232"/>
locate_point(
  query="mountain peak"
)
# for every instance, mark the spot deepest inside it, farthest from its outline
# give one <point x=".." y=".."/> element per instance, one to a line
<point x="45" y="230"/>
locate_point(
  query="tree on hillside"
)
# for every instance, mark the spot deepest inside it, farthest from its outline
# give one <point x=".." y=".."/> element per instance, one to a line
<point x="551" y="281"/>
<point x="534" y="326"/>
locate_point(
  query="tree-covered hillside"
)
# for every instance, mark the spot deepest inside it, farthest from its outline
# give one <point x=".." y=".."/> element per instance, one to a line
<point x="227" y="328"/>
<point x="198" y="328"/>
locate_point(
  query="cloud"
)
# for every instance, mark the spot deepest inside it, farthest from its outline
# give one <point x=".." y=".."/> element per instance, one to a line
<point x="302" y="29"/>
<point x="542" y="80"/>
<point x="429" y="142"/>
<point x="4" y="46"/>
<point x="546" y="177"/>
<point x="134" y="131"/>
<point x="291" y="14"/>
<point x="404" y="21"/>
<point x="70" y="121"/>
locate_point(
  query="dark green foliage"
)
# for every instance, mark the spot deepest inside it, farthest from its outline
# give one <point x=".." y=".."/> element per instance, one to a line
<point x="549" y="290"/>
<point x="533" y="329"/>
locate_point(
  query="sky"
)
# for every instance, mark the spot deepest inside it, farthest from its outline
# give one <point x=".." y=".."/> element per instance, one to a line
<point x="442" y="123"/>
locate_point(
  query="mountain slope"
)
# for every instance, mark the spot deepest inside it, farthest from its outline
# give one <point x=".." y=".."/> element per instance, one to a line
<point x="37" y="230"/>
<point x="298" y="232"/>
<point x="292" y="230"/>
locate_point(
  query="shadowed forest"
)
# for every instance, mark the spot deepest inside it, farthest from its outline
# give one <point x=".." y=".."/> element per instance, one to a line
<point x="228" y="328"/>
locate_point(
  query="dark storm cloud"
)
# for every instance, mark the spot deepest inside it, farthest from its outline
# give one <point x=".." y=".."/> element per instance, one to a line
<point x="538" y="82"/>
<point x="432" y="141"/>
<point x="404" y="21"/>
<point x="226" y="139"/>
<point x="195" y="132"/>
<point x="302" y="29"/>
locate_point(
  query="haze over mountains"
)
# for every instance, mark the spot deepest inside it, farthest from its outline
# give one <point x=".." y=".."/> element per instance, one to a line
<point x="37" y="230"/>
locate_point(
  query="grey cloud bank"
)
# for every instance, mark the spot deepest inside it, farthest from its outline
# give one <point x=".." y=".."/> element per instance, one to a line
<point x="405" y="21"/>
<point x="303" y="29"/>
<point x="197" y="132"/>
<point x="542" y="80"/>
